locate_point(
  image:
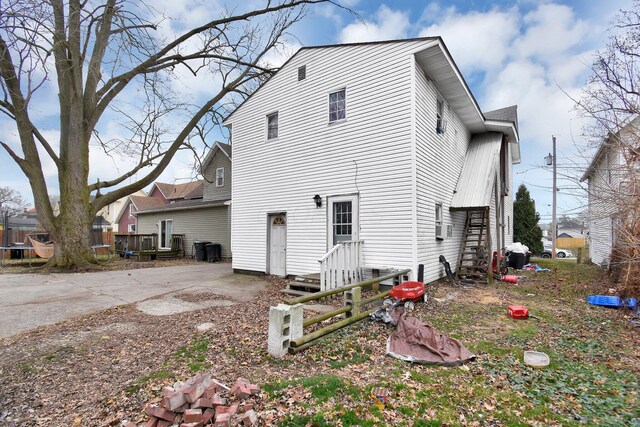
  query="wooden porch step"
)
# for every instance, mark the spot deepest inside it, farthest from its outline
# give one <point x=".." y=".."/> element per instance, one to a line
<point x="294" y="292"/>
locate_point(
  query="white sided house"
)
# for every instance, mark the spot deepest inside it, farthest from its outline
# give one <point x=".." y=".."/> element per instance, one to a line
<point x="605" y="176"/>
<point x="363" y="158"/>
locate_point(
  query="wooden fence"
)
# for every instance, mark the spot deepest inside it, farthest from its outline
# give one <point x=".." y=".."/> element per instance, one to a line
<point x="570" y="242"/>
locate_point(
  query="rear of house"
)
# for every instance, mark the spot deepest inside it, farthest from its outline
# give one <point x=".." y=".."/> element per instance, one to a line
<point x="360" y="149"/>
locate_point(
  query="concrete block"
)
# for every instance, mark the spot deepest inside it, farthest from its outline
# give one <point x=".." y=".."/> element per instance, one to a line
<point x="352" y="298"/>
<point x="285" y="324"/>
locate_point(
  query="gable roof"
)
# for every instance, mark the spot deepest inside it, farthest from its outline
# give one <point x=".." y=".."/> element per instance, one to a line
<point x="176" y="191"/>
<point x="475" y="185"/>
<point x="143" y="202"/>
<point x="217" y="146"/>
<point x="439" y="67"/>
<point x="633" y="122"/>
<point x="140" y="203"/>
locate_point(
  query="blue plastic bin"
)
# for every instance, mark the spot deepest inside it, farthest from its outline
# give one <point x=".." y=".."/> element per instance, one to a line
<point x="610" y="301"/>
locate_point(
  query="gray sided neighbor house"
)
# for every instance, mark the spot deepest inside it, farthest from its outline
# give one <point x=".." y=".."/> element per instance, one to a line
<point x="204" y="214"/>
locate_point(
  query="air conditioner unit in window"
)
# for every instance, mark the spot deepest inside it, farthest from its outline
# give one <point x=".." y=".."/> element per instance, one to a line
<point x="439" y="235"/>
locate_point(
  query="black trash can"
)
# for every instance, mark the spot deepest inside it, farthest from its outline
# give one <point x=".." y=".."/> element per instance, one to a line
<point x="527" y="258"/>
<point x="201" y="251"/>
<point x="517" y="260"/>
<point x="214" y="252"/>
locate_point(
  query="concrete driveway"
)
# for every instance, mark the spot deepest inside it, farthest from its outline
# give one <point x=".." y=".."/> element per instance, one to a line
<point x="31" y="300"/>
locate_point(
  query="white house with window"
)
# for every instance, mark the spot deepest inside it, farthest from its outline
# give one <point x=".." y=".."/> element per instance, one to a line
<point x="370" y="157"/>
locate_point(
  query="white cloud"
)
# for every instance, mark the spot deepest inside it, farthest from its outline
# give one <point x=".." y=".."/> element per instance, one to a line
<point x="388" y="25"/>
<point x="551" y="31"/>
<point x="477" y="41"/>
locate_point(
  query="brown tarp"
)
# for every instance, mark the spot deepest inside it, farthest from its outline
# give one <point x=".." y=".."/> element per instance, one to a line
<point x="417" y="342"/>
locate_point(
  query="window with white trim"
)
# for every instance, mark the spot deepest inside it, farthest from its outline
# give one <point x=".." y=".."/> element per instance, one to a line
<point x="272" y="125"/>
<point x="131" y="209"/>
<point x="337" y="105"/>
<point x="439" y="230"/>
<point x="220" y="177"/>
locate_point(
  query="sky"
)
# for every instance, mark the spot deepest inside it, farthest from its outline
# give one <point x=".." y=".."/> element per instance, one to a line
<point x="532" y="53"/>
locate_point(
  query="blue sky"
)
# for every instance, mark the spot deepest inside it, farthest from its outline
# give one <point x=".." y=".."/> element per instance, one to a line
<point x="530" y="53"/>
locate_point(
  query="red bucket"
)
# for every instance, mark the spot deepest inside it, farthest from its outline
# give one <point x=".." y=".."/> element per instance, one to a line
<point x="408" y="291"/>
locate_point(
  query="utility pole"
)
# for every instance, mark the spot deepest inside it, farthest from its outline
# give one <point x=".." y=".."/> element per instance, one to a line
<point x="551" y="160"/>
<point x="555" y="190"/>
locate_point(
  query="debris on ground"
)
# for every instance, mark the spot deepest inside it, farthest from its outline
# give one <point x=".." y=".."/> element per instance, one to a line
<point x="201" y="401"/>
<point x="417" y="342"/>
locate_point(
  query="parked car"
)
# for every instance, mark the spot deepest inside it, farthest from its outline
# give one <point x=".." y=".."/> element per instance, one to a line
<point x="560" y="253"/>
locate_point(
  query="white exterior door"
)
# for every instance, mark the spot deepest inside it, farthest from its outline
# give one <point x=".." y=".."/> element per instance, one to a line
<point x="278" y="244"/>
<point x="343" y="220"/>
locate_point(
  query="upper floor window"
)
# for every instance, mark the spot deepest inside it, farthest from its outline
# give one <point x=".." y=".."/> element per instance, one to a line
<point x="132" y="209"/>
<point x="302" y="72"/>
<point x="441" y="123"/>
<point x="337" y="106"/>
<point x="220" y="177"/>
<point x="439" y="231"/>
<point x="272" y="126"/>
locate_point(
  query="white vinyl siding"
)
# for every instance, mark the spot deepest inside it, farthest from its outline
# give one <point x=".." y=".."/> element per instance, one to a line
<point x="437" y="170"/>
<point x="312" y="158"/>
<point x="603" y="188"/>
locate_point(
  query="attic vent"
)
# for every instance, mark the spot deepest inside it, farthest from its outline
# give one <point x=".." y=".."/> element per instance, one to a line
<point x="302" y="72"/>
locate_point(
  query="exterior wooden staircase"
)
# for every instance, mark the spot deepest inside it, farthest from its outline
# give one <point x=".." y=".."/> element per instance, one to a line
<point x="303" y="285"/>
<point x="474" y="261"/>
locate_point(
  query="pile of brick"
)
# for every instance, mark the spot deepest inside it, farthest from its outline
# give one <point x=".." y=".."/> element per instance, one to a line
<point x="201" y="401"/>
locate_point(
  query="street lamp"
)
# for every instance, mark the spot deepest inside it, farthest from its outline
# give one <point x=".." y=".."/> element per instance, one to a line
<point x="549" y="159"/>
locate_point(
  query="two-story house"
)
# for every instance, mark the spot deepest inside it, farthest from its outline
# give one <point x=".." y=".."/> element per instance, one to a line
<point x="200" y="212"/>
<point x="608" y="196"/>
<point x="370" y="157"/>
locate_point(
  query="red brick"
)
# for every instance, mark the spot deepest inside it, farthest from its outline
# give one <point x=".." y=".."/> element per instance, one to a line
<point x="233" y="409"/>
<point x="222" y="420"/>
<point x="182" y="408"/>
<point x="222" y="409"/>
<point x="194" y="391"/>
<point x="250" y="418"/>
<point x="246" y="407"/>
<point x="207" y="416"/>
<point x="153" y="422"/>
<point x="192" y="415"/>
<point x="198" y="424"/>
<point x="131" y="424"/>
<point x="164" y="423"/>
<point x="203" y="402"/>
<point x="173" y="398"/>
<point x="158" y="412"/>
<point x="240" y="390"/>
<point x="216" y="401"/>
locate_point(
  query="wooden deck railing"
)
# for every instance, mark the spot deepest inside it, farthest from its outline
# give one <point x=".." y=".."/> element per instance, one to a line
<point x="341" y="266"/>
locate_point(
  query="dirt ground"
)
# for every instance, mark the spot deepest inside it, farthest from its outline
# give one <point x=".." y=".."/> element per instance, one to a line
<point x="102" y="369"/>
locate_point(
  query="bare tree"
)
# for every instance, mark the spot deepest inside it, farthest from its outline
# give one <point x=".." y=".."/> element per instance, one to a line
<point x="11" y="201"/>
<point x="612" y="100"/>
<point x="108" y="57"/>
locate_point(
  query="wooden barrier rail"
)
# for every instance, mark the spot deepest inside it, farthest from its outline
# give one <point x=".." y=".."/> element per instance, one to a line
<point x="286" y="321"/>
